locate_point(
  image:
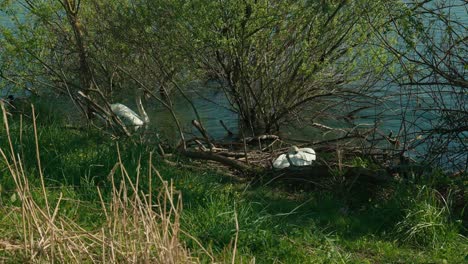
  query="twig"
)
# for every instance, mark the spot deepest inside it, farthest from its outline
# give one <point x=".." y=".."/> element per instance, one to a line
<point x="202" y="131"/>
<point x="225" y="128"/>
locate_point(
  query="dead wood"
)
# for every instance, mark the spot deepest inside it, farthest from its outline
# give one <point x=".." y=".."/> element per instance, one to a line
<point x="249" y="140"/>
<point x="203" y="132"/>
<point x="205" y="155"/>
<point x="235" y="155"/>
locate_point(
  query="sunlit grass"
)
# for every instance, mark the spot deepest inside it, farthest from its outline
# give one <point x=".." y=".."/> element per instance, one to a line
<point x="275" y="223"/>
<point x="130" y="226"/>
<point x="427" y="220"/>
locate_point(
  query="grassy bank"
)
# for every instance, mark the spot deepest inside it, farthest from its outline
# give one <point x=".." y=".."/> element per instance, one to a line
<point x="98" y="195"/>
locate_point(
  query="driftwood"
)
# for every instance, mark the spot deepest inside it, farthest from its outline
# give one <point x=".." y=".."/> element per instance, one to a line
<point x="201" y="146"/>
<point x="249" y="140"/>
<point x="324" y="127"/>
<point x="235" y="155"/>
<point x="270" y="145"/>
<point x="206" y="155"/>
<point x="203" y="132"/>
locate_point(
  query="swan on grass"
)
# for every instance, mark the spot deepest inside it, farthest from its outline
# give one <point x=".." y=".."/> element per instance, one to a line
<point x="295" y="157"/>
<point x="129" y="117"/>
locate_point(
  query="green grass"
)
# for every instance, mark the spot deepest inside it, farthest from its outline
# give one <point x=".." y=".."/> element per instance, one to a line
<point x="401" y="223"/>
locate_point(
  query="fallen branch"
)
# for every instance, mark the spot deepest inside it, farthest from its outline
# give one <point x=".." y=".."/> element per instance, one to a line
<point x="235" y="155"/>
<point x="203" y="132"/>
<point x="219" y="158"/>
<point x="321" y="126"/>
<point x="261" y="137"/>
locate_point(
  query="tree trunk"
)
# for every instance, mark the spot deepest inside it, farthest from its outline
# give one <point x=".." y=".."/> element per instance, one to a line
<point x="86" y="76"/>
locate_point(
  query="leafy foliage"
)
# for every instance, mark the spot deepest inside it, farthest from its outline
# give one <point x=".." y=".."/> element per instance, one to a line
<point x="276" y="57"/>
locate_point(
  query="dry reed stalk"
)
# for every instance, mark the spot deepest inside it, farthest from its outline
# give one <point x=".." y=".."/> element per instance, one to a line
<point x="234" y="251"/>
<point x="135" y="229"/>
<point x="38" y="156"/>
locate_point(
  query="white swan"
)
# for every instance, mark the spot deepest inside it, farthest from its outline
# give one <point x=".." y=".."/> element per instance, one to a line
<point x="129" y="117"/>
<point x="297" y="157"/>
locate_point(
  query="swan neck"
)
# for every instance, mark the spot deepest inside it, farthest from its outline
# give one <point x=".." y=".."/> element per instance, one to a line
<point x="142" y="111"/>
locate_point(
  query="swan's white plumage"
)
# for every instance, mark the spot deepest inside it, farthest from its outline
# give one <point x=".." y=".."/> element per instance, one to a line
<point x="128" y="116"/>
<point x="297" y="156"/>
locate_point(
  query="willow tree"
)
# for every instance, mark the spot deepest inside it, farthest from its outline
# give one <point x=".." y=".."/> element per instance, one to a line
<point x="24" y="62"/>
<point x="275" y="58"/>
<point x="93" y="48"/>
<point x="429" y="41"/>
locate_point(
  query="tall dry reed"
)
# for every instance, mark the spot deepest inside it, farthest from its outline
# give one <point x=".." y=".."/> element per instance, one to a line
<point x="137" y="228"/>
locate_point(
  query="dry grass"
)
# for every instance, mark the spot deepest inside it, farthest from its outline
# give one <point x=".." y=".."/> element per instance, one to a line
<point x="136" y="227"/>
